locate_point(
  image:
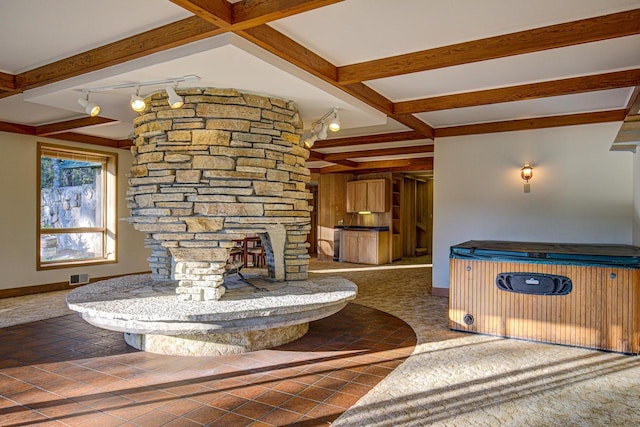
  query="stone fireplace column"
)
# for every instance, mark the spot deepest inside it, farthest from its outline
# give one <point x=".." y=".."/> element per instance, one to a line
<point x="224" y="164"/>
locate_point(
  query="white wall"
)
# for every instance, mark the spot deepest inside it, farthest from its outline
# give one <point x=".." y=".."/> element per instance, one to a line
<point x="636" y="198"/>
<point x="580" y="192"/>
<point x="18" y="215"/>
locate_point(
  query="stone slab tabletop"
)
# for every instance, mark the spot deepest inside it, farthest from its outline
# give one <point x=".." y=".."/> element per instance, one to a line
<point x="138" y="304"/>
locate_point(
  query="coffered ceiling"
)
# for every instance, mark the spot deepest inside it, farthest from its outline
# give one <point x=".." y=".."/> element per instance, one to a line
<point x="402" y="73"/>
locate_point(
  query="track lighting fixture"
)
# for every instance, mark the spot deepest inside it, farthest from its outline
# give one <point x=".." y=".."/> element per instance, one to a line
<point x="90" y="108"/>
<point x="175" y="100"/>
<point x="334" y="123"/>
<point x="329" y="121"/>
<point x="137" y="102"/>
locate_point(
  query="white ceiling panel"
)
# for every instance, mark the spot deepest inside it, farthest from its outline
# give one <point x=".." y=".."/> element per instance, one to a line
<point x="222" y="62"/>
<point x="552" y="106"/>
<point x="114" y="130"/>
<point x="584" y="59"/>
<point x="360" y="30"/>
<point x="37" y="32"/>
<point x="14" y="109"/>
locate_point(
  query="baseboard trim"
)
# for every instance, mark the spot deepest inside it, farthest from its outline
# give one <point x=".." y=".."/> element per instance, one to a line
<point x="52" y="287"/>
<point x="440" y="292"/>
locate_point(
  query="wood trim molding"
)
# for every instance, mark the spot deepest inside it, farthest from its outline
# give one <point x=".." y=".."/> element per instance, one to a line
<point x="440" y="292"/>
<point x="568" y="86"/>
<point x="17" y="128"/>
<point x="52" y="287"/>
<point x="550" y="37"/>
<point x="534" y="123"/>
<point x="87" y="139"/>
<point x="59" y="127"/>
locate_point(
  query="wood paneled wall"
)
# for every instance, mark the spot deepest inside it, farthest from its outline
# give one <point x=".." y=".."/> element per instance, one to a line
<point x="601" y="312"/>
<point x="409" y="189"/>
<point x="331" y="208"/>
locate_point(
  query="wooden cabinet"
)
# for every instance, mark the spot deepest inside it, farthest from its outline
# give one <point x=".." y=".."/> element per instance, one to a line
<point x="365" y="247"/>
<point x="367" y="196"/>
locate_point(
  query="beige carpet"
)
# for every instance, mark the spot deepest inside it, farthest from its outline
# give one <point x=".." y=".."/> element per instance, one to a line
<point x="456" y="379"/>
<point x="14" y="311"/>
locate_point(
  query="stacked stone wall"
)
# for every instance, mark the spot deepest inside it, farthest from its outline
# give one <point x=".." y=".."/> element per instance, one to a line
<point x="224" y="164"/>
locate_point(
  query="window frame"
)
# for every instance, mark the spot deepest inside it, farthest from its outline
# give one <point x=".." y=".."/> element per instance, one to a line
<point x="108" y="228"/>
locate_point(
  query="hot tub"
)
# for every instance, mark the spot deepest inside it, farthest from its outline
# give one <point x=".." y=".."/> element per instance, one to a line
<point x="572" y="294"/>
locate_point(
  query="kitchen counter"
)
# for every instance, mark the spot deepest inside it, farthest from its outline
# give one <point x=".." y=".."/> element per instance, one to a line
<point x="361" y="228"/>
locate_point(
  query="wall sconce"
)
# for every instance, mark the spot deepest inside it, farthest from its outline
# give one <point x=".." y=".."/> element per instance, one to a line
<point x="329" y="121"/>
<point x="526" y="173"/>
<point x="137" y="103"/>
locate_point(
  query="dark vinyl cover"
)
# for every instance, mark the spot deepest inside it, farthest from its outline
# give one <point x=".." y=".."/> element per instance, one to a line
<point x="625" y="256"/>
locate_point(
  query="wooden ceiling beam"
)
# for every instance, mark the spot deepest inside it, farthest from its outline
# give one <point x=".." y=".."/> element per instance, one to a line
<point x="368" y="95"/>
<point x="248" y="13"/>
<point x="125" y="143"/>
<point x="251" y="13"/>
<point x="315" y="156"/>
<point x="414" y="123"/>
<point x="87" y="139"/>
<point x="568" y="86"/>
<point x="534" y="123"/>
<point x="293" y="52"/>
<point x="550" y="37"/>
<point x="217" y="12"/>
<point x="346" y="163"/>
<point x="418" y="149"/>
<point x="17" y="128"/>
<point x="7" y="82"/>
<point x="424" y="163"/>
<point x="68" y="125"/>
<point x="162" y="38"/>
<point x="368" y="139"/>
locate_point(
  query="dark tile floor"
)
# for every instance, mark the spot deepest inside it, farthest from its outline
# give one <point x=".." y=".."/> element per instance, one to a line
<point x="63" y="371"/>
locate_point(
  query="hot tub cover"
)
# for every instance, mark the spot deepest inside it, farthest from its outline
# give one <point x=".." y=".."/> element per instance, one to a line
<point x="625" y="256"/>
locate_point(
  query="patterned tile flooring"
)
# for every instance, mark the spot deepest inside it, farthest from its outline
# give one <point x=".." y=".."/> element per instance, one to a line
<point x="450" y="378"/>
<point x="63" y="371"/>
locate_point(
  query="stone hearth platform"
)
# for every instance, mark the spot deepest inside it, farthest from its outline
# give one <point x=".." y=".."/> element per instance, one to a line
<point x="251" y="316"/>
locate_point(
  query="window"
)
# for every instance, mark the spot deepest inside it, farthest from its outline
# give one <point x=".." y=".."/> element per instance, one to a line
<point x="77" y="207"/>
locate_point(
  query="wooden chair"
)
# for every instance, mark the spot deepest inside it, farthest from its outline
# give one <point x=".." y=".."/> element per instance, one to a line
<point x="257" y="255"/>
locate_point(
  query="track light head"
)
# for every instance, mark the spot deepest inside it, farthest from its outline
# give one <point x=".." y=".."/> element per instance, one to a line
<point x="90" y="108"/>
<point x="334" y="123"/>
<point x="137" y="103"/>
<point x="323" y="132"/>
<point x="311" y="140"/>
<point x="175" y="100"/>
